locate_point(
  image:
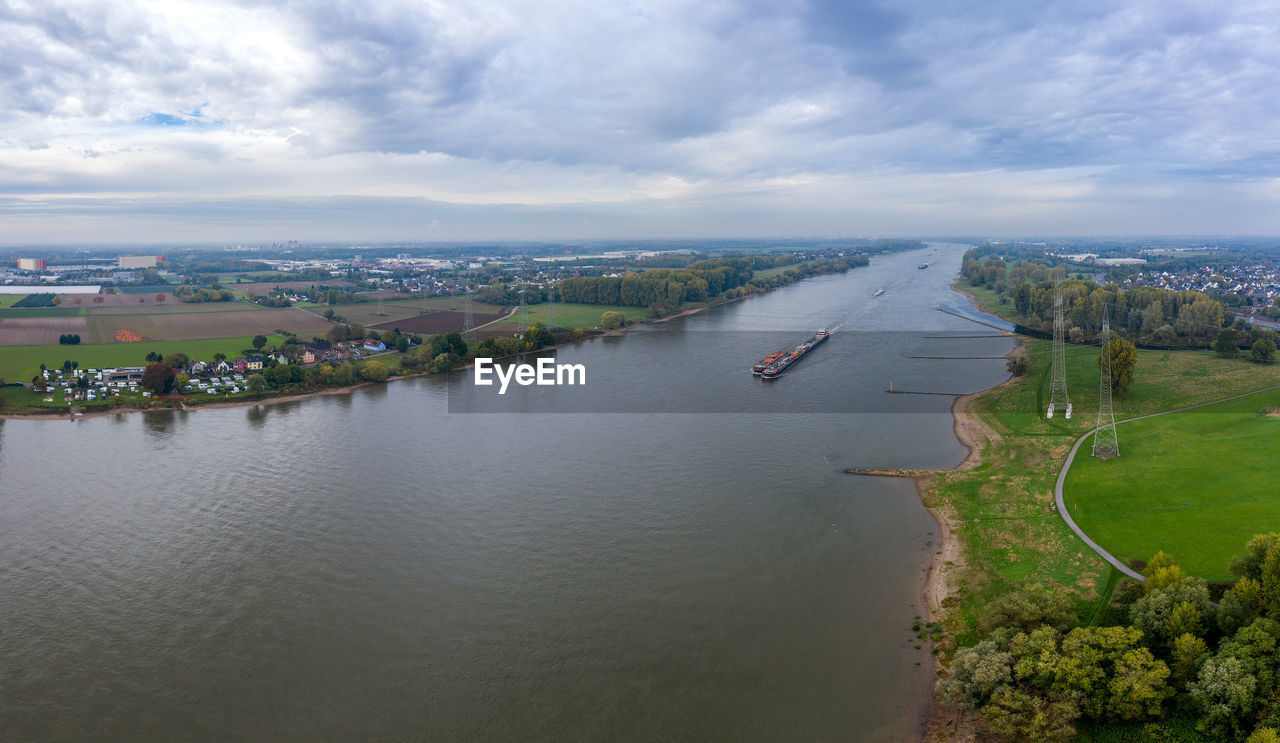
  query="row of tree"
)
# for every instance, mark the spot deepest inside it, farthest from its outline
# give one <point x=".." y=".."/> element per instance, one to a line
<point x="1035" y="675"/>
<point x="69" y="339"/>
<point x="191" y="294"/>
<point x="1147" y="315"/>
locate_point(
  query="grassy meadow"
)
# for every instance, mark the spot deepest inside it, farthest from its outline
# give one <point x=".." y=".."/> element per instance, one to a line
<point x="1194" y="484"/>
<point x="21" y="363"/>
<point x="1009" y="523"/>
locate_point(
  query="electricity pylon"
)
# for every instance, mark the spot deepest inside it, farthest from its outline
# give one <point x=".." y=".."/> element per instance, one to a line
<point x="1105" y="443"/>
<point x="1058" y="384"/>
<point x="468" y="321"/>
<point x="551" y="305"/>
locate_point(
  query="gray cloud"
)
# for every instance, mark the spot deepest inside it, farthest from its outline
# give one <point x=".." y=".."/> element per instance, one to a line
<point x="704" y="95"/>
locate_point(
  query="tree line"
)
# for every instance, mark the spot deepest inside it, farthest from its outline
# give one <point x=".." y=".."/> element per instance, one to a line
<point x="1146" y="315"/>
<point x="1035" y="675"/>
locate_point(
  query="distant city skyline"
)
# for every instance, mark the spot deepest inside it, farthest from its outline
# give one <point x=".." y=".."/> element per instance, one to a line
<point x="408" y="121"/>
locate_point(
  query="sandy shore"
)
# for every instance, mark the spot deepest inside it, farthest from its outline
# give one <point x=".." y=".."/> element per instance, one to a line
<point x="952" y="724"/>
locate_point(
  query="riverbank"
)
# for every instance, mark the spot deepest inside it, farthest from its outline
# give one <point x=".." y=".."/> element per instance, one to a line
<point x="184" y="406"/>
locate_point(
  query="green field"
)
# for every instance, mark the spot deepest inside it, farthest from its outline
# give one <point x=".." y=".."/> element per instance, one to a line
<point x="768" y="272"/>
<point x="1011" y="531"/>
<point x="21" y="363"/>
<point x="1194" y="484"/>
<point x="569" y="315"/>
<point x="7" y="300"/>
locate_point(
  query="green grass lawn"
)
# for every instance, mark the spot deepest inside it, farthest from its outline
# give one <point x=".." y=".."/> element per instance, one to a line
<point x="1005" y="507"/>
<point x="21" y="363"/>
<point x="7" y="300"/>
<point x="1195" y="484"/>
<point x="570" y="315"/>
<point x="768" y="272"/>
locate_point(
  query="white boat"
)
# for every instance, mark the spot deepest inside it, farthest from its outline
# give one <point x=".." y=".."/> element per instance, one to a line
<point x="878" y="292"/>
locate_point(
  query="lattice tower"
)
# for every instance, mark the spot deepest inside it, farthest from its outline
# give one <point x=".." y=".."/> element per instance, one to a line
<point x="468" y="320"/>
<point x="1105" y="443"/>
<point x="1058" y="399"/>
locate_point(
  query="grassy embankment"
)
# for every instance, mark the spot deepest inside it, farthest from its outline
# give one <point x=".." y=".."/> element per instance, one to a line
<point x="1004" y="508"/>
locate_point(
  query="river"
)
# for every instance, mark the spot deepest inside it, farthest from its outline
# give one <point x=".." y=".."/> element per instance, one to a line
<point x="678" y="557"/>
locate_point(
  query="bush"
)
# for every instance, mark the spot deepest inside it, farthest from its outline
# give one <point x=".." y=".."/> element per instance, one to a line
<point x="1018" y="365"/>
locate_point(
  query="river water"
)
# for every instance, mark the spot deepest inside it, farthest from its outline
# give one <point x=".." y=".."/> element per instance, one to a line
<point x="679" y="558"/>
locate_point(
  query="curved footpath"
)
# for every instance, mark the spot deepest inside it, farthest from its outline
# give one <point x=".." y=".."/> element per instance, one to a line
<point x="1062" y="478"/>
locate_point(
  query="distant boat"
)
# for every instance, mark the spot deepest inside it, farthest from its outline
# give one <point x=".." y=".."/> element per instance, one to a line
<point x="923" y="266"/>
<point x="878" y="292"/>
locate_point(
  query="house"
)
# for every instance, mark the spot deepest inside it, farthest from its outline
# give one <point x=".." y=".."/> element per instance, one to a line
<point x="241" y="364"/>
<point x="221" y="367"/>
<point x="279" y="358"/>
<point x="252" y="363"/>
<point x="373" y="344"/>
<point x="307" y="356"/>
<point x="197" y="367"/>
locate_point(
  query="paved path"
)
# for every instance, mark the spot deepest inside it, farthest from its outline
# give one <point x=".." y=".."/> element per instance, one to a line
<point x="1062" y="477"/>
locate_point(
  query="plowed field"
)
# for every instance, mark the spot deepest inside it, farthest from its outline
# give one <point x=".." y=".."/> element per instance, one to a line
<point x="40" y="331"/>
<point x="169" y="327"/>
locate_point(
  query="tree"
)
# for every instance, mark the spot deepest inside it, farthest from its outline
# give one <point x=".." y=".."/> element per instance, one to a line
<point x="177" y="360"/>
<point x="1138" y="687"/>
<point x="97" y="299"/>
<point x="1264" y="735"/>
<point x="1018" y="365"/>
<point x="1024" y="717"/>
<point x="1249" y="565"/>
<point x="219" y="356"/>
<point x="612" y="319"/>
<point x="976" y="674"/>
<point x="1223" y="692"/>
<point x="1189" y="653"/>
<point x="160" y="298"/>
<point x="1226" y="344"/>
<point x="158" y="378"/>
<point x="1263" y="351"/>
<point x="1029" y="607"/>
<point x="256" y="384"/>
<point x="374" y="371"/>
<point x="1162" y="616"/>
<point x="402" y="343"/>
<point x="1124" y="356"/>
<point x="259" y="341"/>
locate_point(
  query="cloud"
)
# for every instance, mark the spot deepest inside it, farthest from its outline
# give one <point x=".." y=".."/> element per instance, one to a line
<point x="631" y="102"/>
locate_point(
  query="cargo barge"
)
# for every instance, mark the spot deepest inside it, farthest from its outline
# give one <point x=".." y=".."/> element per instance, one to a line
<point x="764" y="363"/>
<point x="775" y="370"/>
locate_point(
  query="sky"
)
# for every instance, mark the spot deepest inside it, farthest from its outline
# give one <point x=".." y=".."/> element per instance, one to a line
<point x="172" y="121"/>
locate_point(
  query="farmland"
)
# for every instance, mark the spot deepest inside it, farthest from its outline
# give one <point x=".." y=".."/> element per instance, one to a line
<point x="174" y="327"/>
<point x="436" y="322"/>
<point x="569" y="315"/>
<point x="117" y="300"/>
<point x="39" y="331"/>
<point x="21" y="363"/>
<point x="7" y="300"/>
<point x="176" y="308"/>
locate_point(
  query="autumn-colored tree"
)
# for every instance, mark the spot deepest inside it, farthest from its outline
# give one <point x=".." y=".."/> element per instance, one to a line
<point x="158" y="378"/>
